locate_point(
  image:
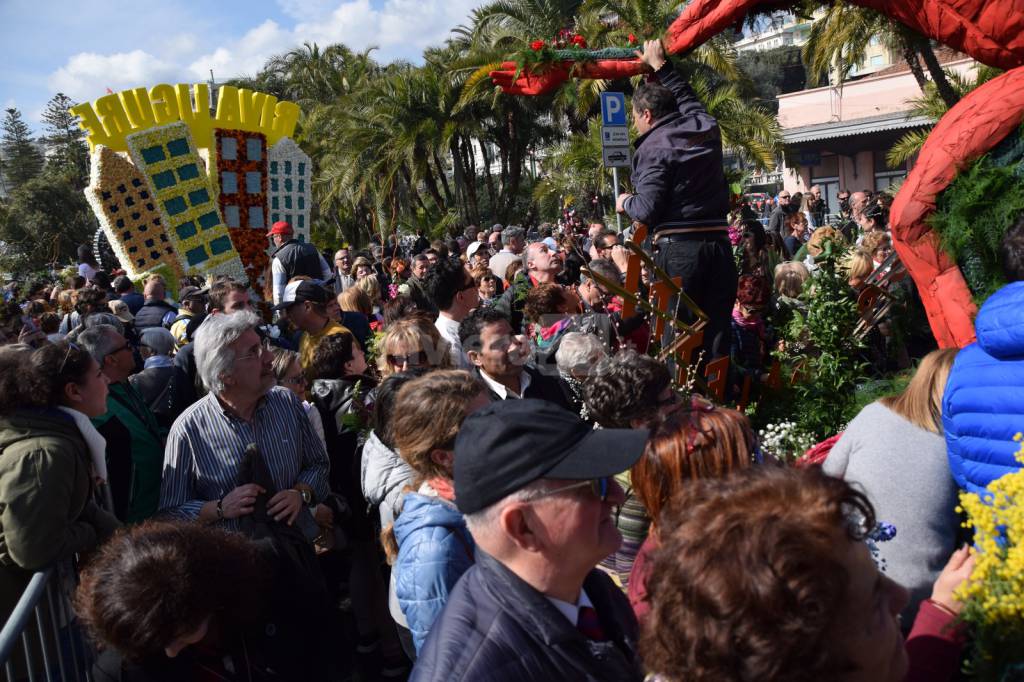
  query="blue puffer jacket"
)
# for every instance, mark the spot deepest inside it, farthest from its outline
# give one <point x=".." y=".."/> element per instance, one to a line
<point x="434" y="550"/>
<point x="983" y="407"/>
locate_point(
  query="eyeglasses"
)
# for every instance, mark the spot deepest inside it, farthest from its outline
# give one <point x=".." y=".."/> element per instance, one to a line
<point x="264" y="348"/>
<point x="71" y="347"/>
<point x="411" y="359"/>
<point x="599" y="486"/>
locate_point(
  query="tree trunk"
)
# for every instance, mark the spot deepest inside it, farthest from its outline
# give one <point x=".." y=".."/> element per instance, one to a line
<point x="942" y="84"/>
<point x="412" y="188"/>
<point x="910" y="55"/>
<point x="492" y="193"/>
<point x="443" y="175"/>
<point x="431" y="183"/>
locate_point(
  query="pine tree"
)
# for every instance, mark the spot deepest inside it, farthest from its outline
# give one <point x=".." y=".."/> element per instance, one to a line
<point x="65" y="139"/>
<point x="22" y="161"/>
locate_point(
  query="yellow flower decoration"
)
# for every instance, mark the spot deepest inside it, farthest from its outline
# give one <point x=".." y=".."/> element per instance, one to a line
<point x="994" y="596"/>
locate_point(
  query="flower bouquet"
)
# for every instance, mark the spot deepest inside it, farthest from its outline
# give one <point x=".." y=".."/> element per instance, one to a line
<point x="994" y="596"/>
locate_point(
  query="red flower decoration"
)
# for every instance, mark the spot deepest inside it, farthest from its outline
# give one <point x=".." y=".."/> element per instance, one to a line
<point x="632" y="39"/>
<point x="537" y="45"/>
<point x="578" y="40"/>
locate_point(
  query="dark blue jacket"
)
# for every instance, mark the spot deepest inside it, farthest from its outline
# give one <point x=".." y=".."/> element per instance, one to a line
<point x="152" y="314"/>
<point x="434" y="550"/>
<point x="496" y="627"/>
<point x="677" y="166"/>
<point x="983" y="406"/>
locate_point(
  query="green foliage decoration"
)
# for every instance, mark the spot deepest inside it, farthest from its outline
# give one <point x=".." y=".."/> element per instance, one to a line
<point x="975" y="211"/>
<point x="821" y="348"/>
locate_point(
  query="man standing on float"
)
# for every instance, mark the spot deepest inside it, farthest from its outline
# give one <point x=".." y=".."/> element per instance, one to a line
<point x="681" y="194"/>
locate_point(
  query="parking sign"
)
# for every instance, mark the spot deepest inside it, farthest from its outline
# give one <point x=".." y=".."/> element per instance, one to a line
<point x="613" y="109"/>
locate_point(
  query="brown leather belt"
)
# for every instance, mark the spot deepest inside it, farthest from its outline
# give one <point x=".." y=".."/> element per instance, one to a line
<point x="687" y="230"/>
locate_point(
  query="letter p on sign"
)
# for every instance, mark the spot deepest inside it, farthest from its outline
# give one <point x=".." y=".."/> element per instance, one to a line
<point x="613" y="108"/>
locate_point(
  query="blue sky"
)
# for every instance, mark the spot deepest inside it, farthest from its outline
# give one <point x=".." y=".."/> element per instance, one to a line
<point x="83" y="48"/>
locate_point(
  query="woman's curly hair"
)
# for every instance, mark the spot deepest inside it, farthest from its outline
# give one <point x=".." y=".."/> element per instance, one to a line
<point x="543" y="300"/>
<point x="157" y="581"/>
<point x="747" y="583"/>
<point x="625" y="387"/>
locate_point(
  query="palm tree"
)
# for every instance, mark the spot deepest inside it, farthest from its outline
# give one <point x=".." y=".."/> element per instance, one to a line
<point x="931" y="105"/>
<point x="840" y="37"/>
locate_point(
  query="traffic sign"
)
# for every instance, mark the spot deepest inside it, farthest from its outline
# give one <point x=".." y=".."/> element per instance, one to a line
<point x="616" y="157"/>
<point x="614" y="135"/>
<point x="613" y="109"/>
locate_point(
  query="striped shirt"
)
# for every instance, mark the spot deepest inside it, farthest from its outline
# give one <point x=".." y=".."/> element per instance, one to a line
<point x="207" y="443"/>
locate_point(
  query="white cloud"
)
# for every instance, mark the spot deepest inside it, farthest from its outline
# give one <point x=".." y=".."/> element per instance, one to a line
<point x="399" y="28"/>
<point x="245" y="56"/>
<point x="87" y="75"/>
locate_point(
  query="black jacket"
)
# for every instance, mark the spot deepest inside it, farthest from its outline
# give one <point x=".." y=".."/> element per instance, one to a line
<point x="542" y="387"/>
<point x="151" y="314"/>
<point x="340" y="409"/>
<point x="167" y="391"/>
<point x="496" y="627"/>
<point x="299" y="258"/>
<point x="677" y="166"/>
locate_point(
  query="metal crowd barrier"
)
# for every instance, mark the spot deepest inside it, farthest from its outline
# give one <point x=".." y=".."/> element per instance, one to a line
<point x="52" y="646"/>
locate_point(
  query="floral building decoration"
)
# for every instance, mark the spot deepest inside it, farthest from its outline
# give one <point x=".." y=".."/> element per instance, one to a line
<point x="241" y="174"/>
<point x="123" y="201"/>
<point x="168" y="157"/>
<point x="182" y="190"/>
<point x="290" y="173"/>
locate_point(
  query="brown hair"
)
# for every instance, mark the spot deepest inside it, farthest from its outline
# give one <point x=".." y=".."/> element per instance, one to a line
<point x="873" y="240"/>
<point x="360" y="260"/>
<point x="920" y="403"/>
<point x="816" y="243"/>
<point x="747" y="583"/>
<point x="157" y="581"/>
<point x="355" y="301"/>
<point x="220" y="290"/>
<point x="700" y="441"/>
<point x="428" y="412"/>
<point x="790" y="277"/>
<point x="544" y="299"/>
<point x="427" y="415"/>
<point x="514" y="267"/>
<point x="797" y="219"/>
<point x="66" y="300"/>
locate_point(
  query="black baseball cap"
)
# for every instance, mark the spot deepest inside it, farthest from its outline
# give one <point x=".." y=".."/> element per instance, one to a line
<point x="509" y="444"/>
<point x="302" y="291"/>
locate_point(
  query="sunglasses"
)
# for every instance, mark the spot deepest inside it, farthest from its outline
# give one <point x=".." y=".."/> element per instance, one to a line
<point x="599" y="486"/>
<point x="294" y="381"/>
<point x="411" y="359"/>
<point x="71" y="347"/>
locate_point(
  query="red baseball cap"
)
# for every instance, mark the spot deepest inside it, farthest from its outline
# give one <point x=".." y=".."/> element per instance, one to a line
<point x="280" y="227"/>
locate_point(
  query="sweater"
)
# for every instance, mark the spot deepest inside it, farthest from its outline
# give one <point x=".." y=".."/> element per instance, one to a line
<point x="904" y="472"/>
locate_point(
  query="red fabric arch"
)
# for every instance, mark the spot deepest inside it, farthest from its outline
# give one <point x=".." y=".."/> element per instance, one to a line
<point x="969" y="130"/>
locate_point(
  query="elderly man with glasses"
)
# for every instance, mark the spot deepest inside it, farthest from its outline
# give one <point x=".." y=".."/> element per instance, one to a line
<point x="777" y="220"/>
<point x="135" y="439"/>
<point x="244" y="407"/>
<point x="535" y="485"/>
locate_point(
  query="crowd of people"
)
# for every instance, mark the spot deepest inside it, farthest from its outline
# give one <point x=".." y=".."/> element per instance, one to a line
<point x="467" y="475"/>
<point x="456" y="460"/>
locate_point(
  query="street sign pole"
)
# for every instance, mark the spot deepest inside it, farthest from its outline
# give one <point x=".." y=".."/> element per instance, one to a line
<point x="615" y="151"/>
<point x="615" y="193"/>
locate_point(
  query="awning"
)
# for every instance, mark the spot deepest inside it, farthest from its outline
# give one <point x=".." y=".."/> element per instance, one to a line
<point x="858" y="126"/>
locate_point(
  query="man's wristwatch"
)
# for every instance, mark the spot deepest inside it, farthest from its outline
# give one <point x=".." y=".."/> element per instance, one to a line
<point x="307" y="497"/>
<point x="220" y="509"/>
